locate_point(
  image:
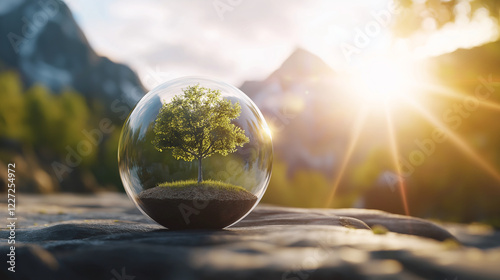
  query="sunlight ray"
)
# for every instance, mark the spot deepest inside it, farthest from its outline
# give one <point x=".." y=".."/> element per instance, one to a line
<point x="395" y="155"/>
<point x="356" y="131"/>
<point x="458" y="141"/>
<point x="447" y="92"/>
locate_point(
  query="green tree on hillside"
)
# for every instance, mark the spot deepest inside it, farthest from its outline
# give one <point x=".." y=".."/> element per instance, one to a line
<point x="197" y="124"/>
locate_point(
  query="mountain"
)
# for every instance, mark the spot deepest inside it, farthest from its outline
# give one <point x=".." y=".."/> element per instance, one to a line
<point x="45" y="45"/>
<point x="301" y="67"/>
<point x="463" y="67"/>
<point x="299" y="100"/>
<point x="42" y="44"/>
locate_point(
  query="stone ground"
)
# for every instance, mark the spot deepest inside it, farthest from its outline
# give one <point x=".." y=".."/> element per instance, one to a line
<point x="105" y="237"/>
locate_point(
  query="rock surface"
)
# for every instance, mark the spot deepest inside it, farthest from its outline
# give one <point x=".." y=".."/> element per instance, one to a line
<point x="105" y="237"/>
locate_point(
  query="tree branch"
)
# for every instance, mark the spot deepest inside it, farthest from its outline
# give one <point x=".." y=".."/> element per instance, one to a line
<point x="208" y="149"/>
<point x="188" y="151"/>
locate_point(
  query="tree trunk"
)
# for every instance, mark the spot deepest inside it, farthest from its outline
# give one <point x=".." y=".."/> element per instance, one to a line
<point x="200" y="177"/>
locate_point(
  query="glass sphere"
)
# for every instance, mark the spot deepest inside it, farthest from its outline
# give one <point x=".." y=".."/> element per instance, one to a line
<point x="195" y="153"/>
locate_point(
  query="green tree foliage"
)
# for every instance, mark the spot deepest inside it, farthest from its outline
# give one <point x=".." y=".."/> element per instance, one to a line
<point x="51" y="124"/>
<point x="55" y="121"/>
<point x="197" y="124"/>
<point x="440" y="12"/>
<point x="40" y="118"/>
<point x="12" y="106"/>
<point x="303" y="188"/>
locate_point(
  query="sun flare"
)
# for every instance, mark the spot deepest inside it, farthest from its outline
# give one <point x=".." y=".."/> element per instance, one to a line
<point x="382" y="82"/>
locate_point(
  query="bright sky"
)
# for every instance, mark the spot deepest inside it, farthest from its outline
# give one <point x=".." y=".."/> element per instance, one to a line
<point x="247" y="40"/>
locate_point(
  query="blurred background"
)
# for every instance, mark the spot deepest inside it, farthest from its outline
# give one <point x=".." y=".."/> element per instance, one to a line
<point x="388" y="105"/>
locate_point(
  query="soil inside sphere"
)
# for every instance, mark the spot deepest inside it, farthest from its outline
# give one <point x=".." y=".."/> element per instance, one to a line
<point x="196" y="206"/>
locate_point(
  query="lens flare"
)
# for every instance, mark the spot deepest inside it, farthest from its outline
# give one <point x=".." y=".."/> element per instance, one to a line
<point x="395" y="155"/>
<point x="356" y="131"/>
<point x="458" y="141"/>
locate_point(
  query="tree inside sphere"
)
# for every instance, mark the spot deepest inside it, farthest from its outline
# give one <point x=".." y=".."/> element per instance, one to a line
<point x="195" y="153"/>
